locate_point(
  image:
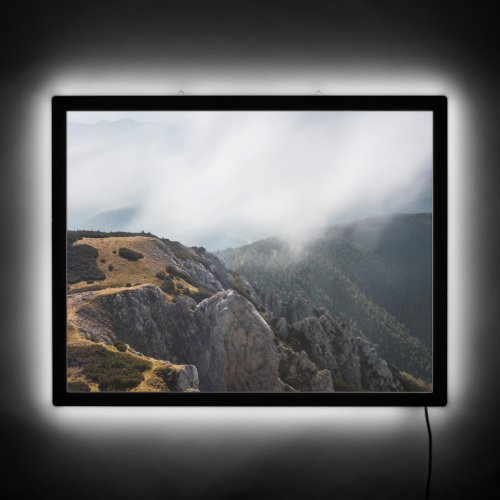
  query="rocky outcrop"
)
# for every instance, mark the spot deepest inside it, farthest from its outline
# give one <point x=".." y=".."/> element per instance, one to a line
<point x="184" y="379"/>
<point x="242" y="355"/>
<point x="243" y="286"/>
<point x="230" y="345"/>
<point x="298" y="309"/>
<point x="206" y="275"/>
<point x="90" y="321"/>
<point x="282" y="328"/>
<point x="331" y="344"/>
<point x="300" y="373"/>
<point x="224" y="336"/>
<point x="239" y="339"/>
<point x="203" y="275"/>
<point x="375" y="374"/>
<point x="141" y="318"/>
<point x="273" y="304"/>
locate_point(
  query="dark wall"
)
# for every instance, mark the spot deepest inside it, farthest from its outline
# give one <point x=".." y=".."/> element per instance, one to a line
<point x="383" y="47"/>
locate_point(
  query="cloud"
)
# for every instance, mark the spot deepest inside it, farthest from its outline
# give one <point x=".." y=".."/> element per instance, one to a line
<point x="228" y="178"/>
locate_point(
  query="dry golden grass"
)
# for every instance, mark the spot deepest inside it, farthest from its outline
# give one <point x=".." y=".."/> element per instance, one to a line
<point x="416" y="383"/>
<point x="74" y="339"/>
<point x="152" y="381"/>
<point x="126" y="272"/>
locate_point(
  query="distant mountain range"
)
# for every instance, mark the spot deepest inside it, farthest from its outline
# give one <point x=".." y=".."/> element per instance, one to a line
<point x="109" y="220"/>
<point x="377" y="273"/>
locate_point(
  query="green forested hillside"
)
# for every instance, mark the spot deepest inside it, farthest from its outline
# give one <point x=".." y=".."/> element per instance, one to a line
<point x="403" y="244"/>
<point x="375" y="272"/>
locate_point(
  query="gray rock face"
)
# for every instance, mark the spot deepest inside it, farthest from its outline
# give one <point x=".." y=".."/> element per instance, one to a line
<point x="375" y="374"/>
<point x="141" y="318"/>
<point x="185" y="379"/>
<point x="282" y="328"/>
<point x="343" y="348"/>
<point x="243" y="356"/>
<point x="202" y="275"/>
<point x="239" y="339"/>
<point x="299" y="372"/>
<point x="227" y="345"/>
<point x="91" y="324"/>
<point x="240" y="283"/>
<point x="273" y="303"/>
<point x="298" y="309"/>
<point x="331" y="344"/>
<point x="224" y="336"/>
<point x="319" y="341"/>
<point x="207" y="276"/>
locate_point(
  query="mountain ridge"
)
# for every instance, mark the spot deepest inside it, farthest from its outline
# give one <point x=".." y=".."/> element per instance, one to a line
<point x="372" y="275"/>
<point x="204" y="326"/>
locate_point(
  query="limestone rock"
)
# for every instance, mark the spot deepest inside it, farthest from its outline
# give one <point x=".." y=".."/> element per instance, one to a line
<point x="331" y="344"/>
<point x="298" y="309"/>
<point x="202" y="275"/>
<point x="224" y="336"/>
<point x="243" y="285"/>
<point x="319" y="341"/>
<point x="184" y="378"/>
<point x="274" y="305"/>
<point x="375" y="373"/>
<point x="228" y="344"/>
<point x="242" y="353"/>
<point x="282" y="328"/>
<point x="298" y="371"/>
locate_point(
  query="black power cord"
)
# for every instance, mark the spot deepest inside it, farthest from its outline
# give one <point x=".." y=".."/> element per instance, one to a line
<point x="429" y="470"/>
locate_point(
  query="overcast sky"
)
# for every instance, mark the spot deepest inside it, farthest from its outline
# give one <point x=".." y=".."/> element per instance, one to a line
<point x="221" y="179"/>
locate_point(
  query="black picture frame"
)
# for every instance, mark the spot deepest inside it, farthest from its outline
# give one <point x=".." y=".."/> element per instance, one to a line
<point x="436" y="104"/>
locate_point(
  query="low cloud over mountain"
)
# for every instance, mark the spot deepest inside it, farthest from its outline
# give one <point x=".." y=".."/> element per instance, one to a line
<point x="226" y="179"/>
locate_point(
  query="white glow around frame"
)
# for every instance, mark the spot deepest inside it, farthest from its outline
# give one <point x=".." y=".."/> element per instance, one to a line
<point x="37" y="344"/>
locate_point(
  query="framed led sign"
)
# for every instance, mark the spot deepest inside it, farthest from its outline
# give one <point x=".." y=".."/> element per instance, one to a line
<point x="250" y="250"/>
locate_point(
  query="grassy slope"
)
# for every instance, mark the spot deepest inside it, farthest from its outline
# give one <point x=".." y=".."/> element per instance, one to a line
<point x="124" y="271"/>
<point x="86" y="356"/>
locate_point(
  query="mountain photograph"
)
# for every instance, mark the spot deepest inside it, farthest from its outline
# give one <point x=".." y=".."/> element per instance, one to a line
<point x="249" y="252"/>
